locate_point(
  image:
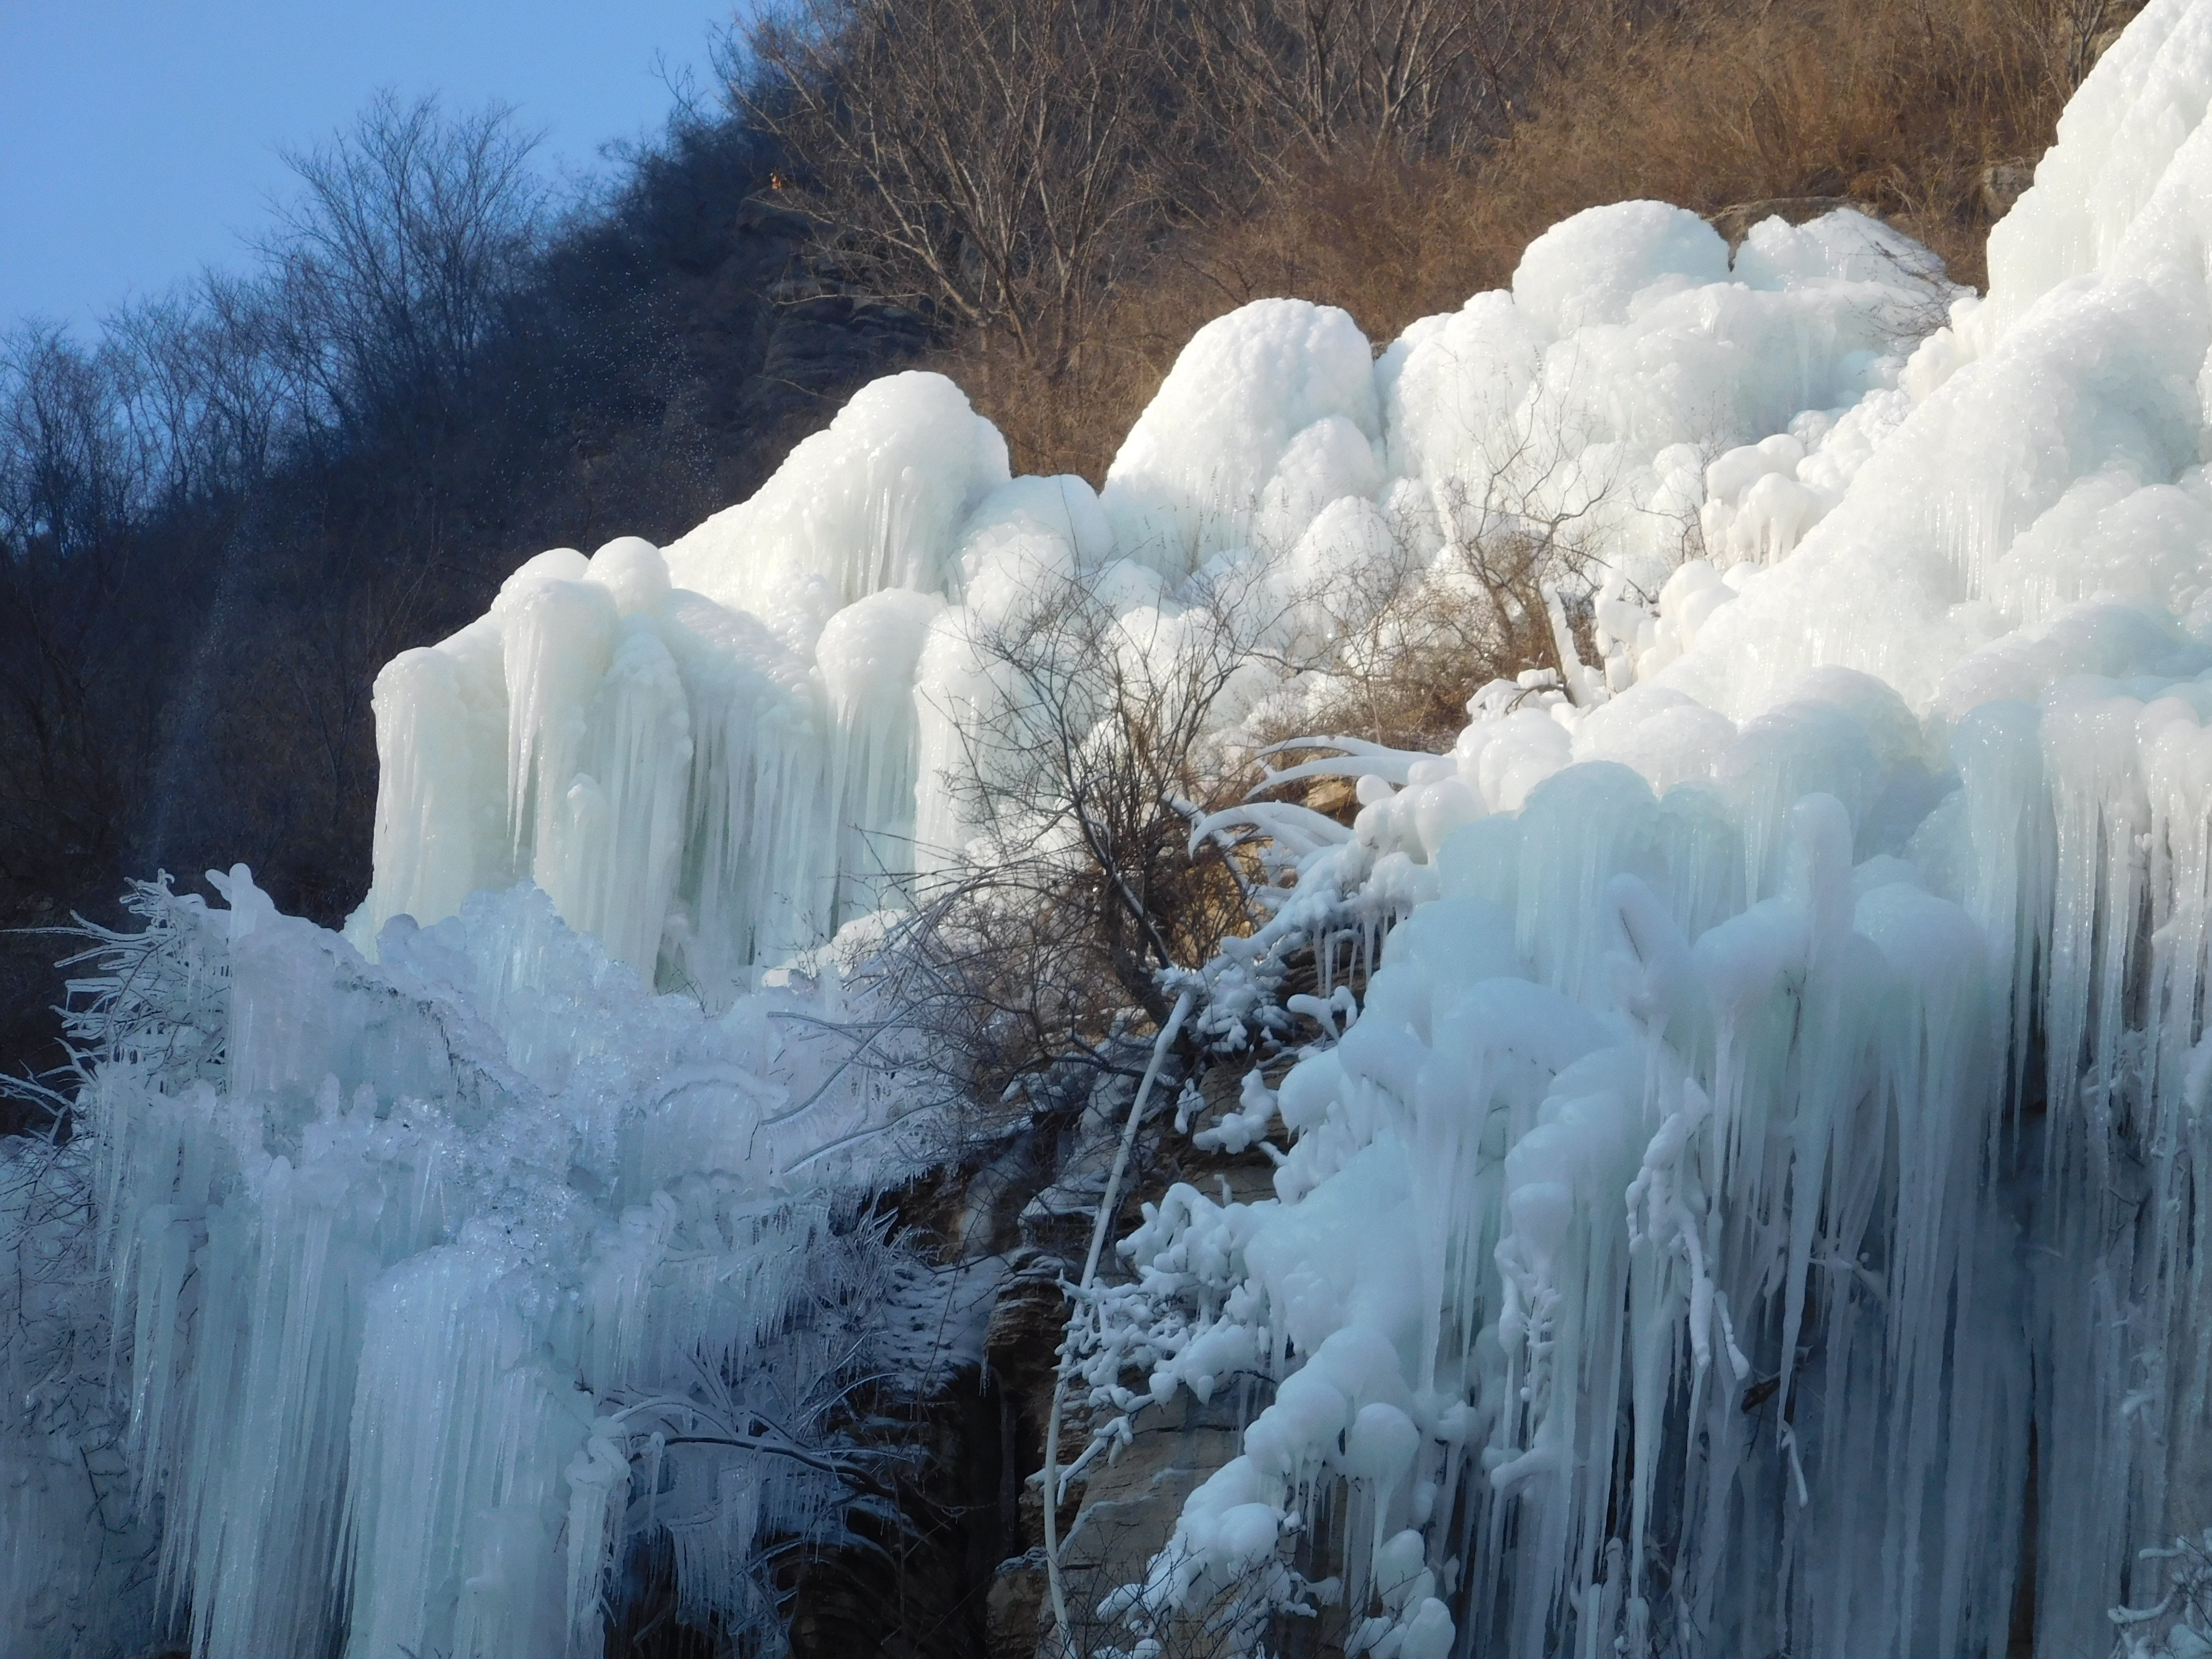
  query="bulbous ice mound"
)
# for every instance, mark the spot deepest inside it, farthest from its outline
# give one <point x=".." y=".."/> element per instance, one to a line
<point x="660" y="741"/>
<point x="1273" y="401"/>
<point x="872" y="502"/>
<point x="2053" y="461"/>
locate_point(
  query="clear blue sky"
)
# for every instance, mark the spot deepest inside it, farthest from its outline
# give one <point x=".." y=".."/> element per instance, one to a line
<point x="139" y="137"/>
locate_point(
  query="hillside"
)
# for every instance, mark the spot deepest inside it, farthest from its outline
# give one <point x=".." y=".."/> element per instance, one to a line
<point x="217" y="523"/>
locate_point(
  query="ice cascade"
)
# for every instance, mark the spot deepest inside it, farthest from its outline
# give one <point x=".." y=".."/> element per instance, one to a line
<point x="1734" y="1116"/>
<point x="1751" y="1204"/>
<point x="383" y="1308"/>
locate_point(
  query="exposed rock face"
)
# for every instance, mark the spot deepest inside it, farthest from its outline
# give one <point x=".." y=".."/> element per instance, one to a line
<point x="2003" y="183"/>
<point x="1735" y="222"/>
<point x="1014" y="1615"/>
<point x="1119" y="1514"/>
<point x="823" y="335"/>
<point x="1129" y="1506"/>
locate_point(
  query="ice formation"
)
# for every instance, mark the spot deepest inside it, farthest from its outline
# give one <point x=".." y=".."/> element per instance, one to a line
<point x="382" y="1306"/>
<point x="1736" y="1115"/>
<point x="1753" y="1206"/>
<point x="716" y="755"/>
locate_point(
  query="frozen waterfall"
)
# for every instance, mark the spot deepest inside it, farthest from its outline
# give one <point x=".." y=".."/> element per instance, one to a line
<point x="1749" y="1206"/>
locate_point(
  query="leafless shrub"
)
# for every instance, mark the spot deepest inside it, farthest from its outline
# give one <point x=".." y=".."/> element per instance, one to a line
<point x="2073" y="35"/>
<point x="1490" y="577"/>
<point x="1250" y="1612"/>
<point x="1080" y="755"/>
<point x="2179" y="1623"/>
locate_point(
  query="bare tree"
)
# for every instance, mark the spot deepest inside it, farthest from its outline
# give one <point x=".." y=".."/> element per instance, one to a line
<point x="391" y="265"/>
<point x="2071" y="35"/>
<point x="68" y="473"/>
<point x="994" y="159"/>
<point x="1009" y="163"/>
<point x="1422" y="79"/>
<point x="75" y="713"/>
<point x="199" y="389"/>
<point x="387" y="278"/>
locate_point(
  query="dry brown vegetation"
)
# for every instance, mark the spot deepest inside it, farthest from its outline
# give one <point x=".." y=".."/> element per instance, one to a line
<point x="1899" y="105"/>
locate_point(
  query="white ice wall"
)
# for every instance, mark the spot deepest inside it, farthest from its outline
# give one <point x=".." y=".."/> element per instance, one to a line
<point x="709" y="752"/>
<point x="1806" y="997"/>
<point x="1792" y="1090"/>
